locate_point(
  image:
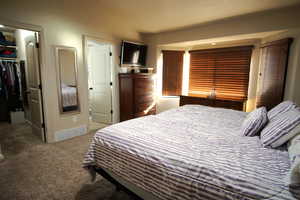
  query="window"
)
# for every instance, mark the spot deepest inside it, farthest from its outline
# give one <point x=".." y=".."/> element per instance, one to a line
<point x="220" y="73"/>
<point x="172" y="73"/>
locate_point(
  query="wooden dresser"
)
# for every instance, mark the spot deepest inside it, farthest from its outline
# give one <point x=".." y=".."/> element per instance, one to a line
<point x="136" y="95"/>
<point x="235" y="105"/>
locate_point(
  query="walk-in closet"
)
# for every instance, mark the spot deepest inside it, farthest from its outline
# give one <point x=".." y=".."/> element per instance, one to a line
<point x="20" y="112"/>
<point x="13" y="96"/>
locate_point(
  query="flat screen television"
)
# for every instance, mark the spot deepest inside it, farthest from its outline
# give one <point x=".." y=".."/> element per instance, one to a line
<point x="133" y="53"/>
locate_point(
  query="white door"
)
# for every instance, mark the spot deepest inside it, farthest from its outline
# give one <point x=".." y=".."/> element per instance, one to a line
<point x="34" y="86"/>
<point x="99" y="63"/>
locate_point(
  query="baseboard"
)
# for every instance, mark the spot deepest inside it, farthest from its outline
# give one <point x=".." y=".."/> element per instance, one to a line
<point x="70" y="133"/>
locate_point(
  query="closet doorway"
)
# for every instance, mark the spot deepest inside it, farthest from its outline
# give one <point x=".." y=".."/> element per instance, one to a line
<point x="99" y="64"/>
<point x="21" y="101"/>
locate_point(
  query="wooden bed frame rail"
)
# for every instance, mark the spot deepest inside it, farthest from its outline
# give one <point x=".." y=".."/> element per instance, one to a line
<point x="229" y="104"/>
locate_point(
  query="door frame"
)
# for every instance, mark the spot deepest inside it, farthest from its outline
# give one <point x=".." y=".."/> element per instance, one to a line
<point x="85" y="57"/>
<point x="42" y="56"/>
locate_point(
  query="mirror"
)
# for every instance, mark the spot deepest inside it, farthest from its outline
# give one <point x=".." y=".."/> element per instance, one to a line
<point x="67" y="83"/>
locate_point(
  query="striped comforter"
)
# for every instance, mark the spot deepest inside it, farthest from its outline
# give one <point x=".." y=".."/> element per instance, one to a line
<point x="69" y="96"/>
<point x="192" y="152"/>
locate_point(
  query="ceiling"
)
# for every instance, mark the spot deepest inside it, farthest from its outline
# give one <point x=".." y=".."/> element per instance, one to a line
<point x="244" y="39"/>
<point x="153" y="16"/>
<point x="6" y="28"/>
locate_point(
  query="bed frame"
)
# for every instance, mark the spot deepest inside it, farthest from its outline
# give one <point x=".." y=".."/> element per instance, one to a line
<point x="118" y="185"/>
<point x="229" y="104"/>
<point x="69" y="108"/>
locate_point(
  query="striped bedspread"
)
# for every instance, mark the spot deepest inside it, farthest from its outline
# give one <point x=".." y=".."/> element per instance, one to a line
<point x="192" y="152"/>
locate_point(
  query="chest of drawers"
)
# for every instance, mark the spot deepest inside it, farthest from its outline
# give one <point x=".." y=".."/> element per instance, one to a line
<point x="136" y="95"/>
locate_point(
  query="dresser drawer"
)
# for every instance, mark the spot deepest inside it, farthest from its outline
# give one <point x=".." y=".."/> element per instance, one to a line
<point x="143" y="82"/>
<point x="144" y="91"/>
<point x="142" y="88"/>
<point x="141" y="107"/>
<point x="136" y="94"/>
<point x="140" y="99"/>
<point x="150" y="112"/>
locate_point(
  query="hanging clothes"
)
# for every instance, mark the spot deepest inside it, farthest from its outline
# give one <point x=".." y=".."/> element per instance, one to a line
<point x="10" y="85"/>
<point x="3" y="79"/>
<point x="4" y="108"/>
<point x="23" y="84"/>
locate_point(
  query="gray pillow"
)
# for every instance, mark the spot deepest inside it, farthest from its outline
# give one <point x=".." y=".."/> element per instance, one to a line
<point x="279" y="130"/>
<point x="254" y="122"/>
<point x="281" y="108"/>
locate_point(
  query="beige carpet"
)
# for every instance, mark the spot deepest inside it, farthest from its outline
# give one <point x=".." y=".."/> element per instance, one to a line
<point x="33" y="170"/>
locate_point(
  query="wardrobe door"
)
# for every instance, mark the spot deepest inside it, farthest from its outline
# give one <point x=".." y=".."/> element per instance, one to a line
<point x="273" y="67"/>
<point x="34" y="87"/>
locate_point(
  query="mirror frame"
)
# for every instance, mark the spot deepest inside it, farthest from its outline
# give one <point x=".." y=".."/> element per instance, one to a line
<point x="58" y="75"/>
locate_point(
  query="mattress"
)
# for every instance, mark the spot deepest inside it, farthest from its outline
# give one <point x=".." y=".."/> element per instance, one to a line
<point x="192" y="152"/>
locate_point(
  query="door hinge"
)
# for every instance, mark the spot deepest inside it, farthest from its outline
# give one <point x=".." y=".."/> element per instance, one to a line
<point x="111" y="112"/>
<point x="43" y="125"/>
<point x="110" y="83"/>
<point x="110" y="53"/>
<point x="37" y="45"/>
<point x="40" y="86"/>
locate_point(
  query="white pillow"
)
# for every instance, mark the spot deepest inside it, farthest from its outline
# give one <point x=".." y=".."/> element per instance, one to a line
<point x="288" y="136"/>
<point x="294" y="154"/>
<point x="254" y="122"/>
<point x="279" y="130"/>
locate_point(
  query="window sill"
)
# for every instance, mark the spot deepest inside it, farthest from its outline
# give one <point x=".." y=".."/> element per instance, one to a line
<point x="169" y="97"/>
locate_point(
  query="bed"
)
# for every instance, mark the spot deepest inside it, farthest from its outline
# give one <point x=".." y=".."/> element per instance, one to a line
<point x="191" y="152"/>
<point x="69" y="98"/>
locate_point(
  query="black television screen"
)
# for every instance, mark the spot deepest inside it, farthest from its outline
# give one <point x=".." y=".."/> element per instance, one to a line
<point x="133" y="53"/>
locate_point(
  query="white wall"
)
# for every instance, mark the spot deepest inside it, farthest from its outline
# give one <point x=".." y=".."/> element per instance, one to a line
<point x="20" y="40"/>
<point x="63" y="23"/>
<point x="275" y="20"/>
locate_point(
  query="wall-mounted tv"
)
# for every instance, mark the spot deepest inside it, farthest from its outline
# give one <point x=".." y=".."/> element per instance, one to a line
<point x="133" y="53"/>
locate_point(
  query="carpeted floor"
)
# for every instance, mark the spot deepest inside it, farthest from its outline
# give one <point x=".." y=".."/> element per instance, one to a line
<point x="36" y="171"/>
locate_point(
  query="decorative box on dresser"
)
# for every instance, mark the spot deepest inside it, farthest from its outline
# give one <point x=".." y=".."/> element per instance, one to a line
<point x="136" y="95"/>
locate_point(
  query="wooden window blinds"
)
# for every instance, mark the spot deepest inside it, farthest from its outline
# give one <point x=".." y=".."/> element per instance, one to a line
<point x="172" y="72"/>
<point x="220" y="73"/>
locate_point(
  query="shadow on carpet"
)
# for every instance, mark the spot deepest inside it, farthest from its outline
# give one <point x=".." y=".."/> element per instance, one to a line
<point x="103" y="190"/>
<point x="32" y="170"/>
